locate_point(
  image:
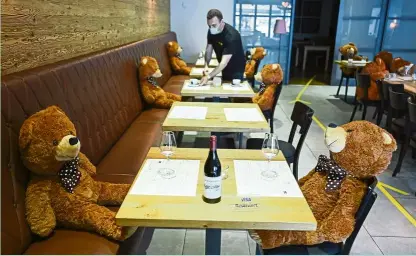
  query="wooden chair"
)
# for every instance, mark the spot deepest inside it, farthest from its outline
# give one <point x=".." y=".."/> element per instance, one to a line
<point x="410" y="135"/>
<point x="364" y="82"/>
<point x="343" y="248"/>
<point x="302" y="117"/>
<point x="398" y="109"/>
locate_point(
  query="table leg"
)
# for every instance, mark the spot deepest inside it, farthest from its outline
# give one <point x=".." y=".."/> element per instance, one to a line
<point x="327" y="59"/>
<point x="305" y="54"/>
<point x="240" y="140"/>
<point x="215" y="99"/>
<point x="212" y="241"/>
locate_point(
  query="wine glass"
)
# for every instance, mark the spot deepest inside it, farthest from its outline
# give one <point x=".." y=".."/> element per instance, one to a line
<point x="167" y="147"/>
<point x="270" y="150"/>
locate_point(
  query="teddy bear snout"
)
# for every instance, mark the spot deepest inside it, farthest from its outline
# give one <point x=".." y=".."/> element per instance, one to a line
<point x="157" y="74"/>
<point x="335" y="138"/>
<point x="68" y="148"/>
<point x="258" y="78"/>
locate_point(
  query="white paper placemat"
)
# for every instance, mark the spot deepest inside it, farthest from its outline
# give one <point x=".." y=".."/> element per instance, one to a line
<point x="230" y="87"/>
<point x="185" y="112"/>
<point x="243" y="114"/>
<point x="251" y="183"/>
<point x="150" y="182"/>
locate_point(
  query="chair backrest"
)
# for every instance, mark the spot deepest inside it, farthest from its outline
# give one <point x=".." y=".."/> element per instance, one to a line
<point x="302" y="117"/>
<point x="277" y="93"/>
<point x="398" y="100"/>
<point x="411" y="101"/>
<point x="364" y="82"/>
<point x="365" y="207"/>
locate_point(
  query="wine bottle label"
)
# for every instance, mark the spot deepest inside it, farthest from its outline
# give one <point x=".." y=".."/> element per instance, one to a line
<point x="212" y="187"/>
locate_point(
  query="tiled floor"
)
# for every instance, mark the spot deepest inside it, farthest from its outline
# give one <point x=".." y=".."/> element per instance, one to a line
<point x="386" y="230"/>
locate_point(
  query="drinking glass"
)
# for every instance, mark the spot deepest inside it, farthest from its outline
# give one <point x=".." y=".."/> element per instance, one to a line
<point x="167" y="148"/>
<point x="270" y="150"/>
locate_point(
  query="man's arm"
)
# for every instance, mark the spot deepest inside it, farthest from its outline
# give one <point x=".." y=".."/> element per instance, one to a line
<point x="208" y="54"/>
<point x="224" y="62"/>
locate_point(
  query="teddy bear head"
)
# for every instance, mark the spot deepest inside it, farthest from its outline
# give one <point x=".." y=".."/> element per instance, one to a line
<point x="386" y="56"/>
<point x="360" y="147"/>
<point x="270" y="74"/>
<point x="47" y="139"/>
<point x="173" y="48"/>
<point x="397" y="65"/>
<point x="149" y="68"/>
<point x="258" y="53"/>
<point x="348" y="50"/>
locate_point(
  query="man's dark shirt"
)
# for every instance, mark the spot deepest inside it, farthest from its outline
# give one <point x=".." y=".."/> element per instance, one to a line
<point x="229" y="42"/>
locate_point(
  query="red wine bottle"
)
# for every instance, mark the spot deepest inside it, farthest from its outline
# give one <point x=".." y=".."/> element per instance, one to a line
<point x="212" y="173"/>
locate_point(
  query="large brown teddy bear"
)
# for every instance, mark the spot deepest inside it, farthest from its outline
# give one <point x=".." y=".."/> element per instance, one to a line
<point x="270" y="77"/>
<point x="61" y="192"/>
<point x="377" y="70"/>
<point x="334" y="189"/>
<point x="349" y="51"/>
<point x="178" y="65"/>
<point x="152" y="93"/>
<point x="257" y="54"/>
<point x="398" y="66"/>
<point x="387" y="57"/>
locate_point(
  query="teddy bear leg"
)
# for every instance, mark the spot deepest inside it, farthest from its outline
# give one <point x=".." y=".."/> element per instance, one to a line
<point x="270" y="239"/>
<point x="112" y="194"/>
<point x="186" y="70"/>
<point x="164" y="103"/>
<point x="173" y="96"/>
<point x="92" y="217"/>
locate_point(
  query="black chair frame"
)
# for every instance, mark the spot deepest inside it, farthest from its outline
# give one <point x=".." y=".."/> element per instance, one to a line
<point x="269" y="115"/>
<point x="347" y="77"/>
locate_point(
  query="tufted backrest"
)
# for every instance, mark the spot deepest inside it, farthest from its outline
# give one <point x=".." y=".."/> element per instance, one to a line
<point x="99" y="92"/>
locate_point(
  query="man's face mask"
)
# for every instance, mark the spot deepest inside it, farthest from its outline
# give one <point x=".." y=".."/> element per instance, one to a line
<point x="217" y="29"/>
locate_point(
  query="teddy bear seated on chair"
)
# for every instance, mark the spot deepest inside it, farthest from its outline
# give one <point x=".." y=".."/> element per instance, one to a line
<point x="256" y="55"/>
<point x="334" y="189"/>
<point x="153" y="94"/>
<point x="61" y="192"/>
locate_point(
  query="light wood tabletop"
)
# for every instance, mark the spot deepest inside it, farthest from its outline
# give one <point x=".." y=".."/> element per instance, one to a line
<point x="215" y="120"/>
<point x="226" y="90"/>
<point x="276" y="213"/>
<point x="355" y="64"/>
<point x="198" y="72"/>
<point x="409" y="86"/>
<point x="201" y="62"/>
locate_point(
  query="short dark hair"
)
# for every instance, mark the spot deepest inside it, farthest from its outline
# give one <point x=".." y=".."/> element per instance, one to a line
<point x="214" y="13"/>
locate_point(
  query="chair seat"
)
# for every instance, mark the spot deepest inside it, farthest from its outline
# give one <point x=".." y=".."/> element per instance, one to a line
<point x="287" y="149"/>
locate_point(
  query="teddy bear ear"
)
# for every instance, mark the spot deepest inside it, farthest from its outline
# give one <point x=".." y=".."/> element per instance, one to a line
<point x="144" y="61"/>
<point x="387" y="138"/>
<point x="170" y="43"/>
<point x="58" y="109"/>
<point x="264" y="52"/>
<point x="275" y="66"/>
<point x="25" y="136"/>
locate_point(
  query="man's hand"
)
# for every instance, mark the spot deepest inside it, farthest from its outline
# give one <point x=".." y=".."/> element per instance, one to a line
<point x="204" y="80"/>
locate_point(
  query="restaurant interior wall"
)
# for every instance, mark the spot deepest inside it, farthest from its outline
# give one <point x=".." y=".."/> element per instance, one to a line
<point x="37" y="32"/>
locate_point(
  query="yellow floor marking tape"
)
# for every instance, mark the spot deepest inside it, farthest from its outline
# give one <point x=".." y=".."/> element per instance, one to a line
<point x="302" y="91"/>
<point x="380" y="185"/>
<point x="393" y="188"/>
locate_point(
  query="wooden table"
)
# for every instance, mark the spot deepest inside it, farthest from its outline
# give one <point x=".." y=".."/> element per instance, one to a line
<point x="216" y="91"/>
<point x="409" y="86"/>
<point x="275" y="213"/>
<point x="198" y="72"/>
<point x="215" y="119"/>
<point x="201" y="63"/>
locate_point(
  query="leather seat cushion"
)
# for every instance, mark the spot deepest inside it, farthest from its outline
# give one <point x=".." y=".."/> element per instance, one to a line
<point x="287" y="149"/>
<point x="126" y="156"/>
<point x="175" y="83"/>
<point x="154" y="115"/>
<point x="73" y="242"/>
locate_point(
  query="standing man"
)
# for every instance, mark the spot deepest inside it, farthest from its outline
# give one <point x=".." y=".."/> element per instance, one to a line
<point x="226" y="42"/>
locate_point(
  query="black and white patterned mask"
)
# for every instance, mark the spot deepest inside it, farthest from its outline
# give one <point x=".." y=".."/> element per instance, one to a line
<point x="152" y="80"/>
<point x="335" y="173"/>
<point x="69" y="175"/>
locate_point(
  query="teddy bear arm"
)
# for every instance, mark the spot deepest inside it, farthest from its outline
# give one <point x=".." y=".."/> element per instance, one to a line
<point x="164" y="103"/>
<point x="148" y="95"/>
<point x="341" y="221"/>
<point x="174" y="64"/>
<point x="185" y="70"/>
<point x="173" y="96"/>
<point x="112" y="194"/>
<point x="249" y="70"/>
<point x="85" y="163"/>
<point x="39" y="212"/>
<point x="264" y="100"/>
